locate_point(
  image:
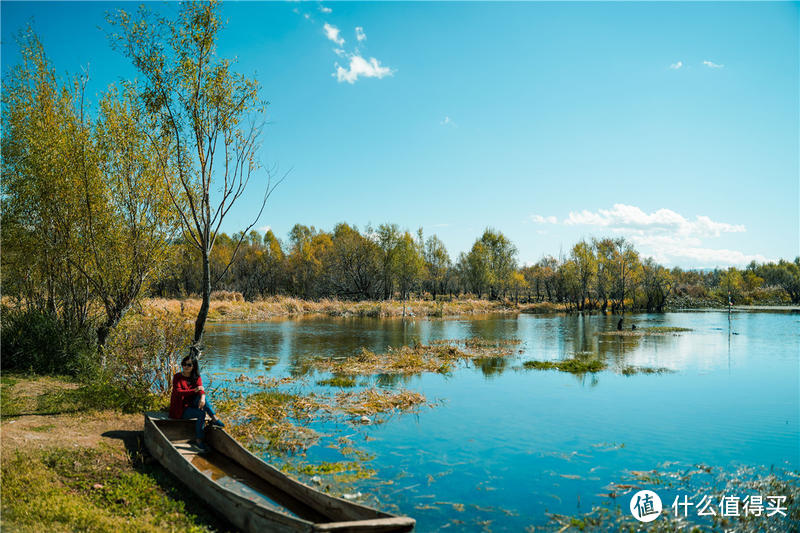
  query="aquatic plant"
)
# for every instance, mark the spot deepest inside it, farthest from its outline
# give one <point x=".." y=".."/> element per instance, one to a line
<point x="338" y="381"/>
<point x="573" y="366"/>
<point x="644" y="332"/>
<point x="440" y="357"/>
<point x="633" y="370"/>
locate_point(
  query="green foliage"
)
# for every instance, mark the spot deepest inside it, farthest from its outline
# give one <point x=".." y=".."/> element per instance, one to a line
<point x="105" y="392"/>
<point x="35" y="341"/>
<point x="339" y="381"/>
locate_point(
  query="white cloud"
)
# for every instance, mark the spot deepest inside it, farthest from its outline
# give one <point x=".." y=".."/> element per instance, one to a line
<point x="264" y="229"/>
<point x="676" y="66"/>
<point x="339" y="52"/>
<point x="307" y="16"/>
<point x="629" y="217"/>
<point x="539" y="219"/>
<point x="325" y="10"/>
<point x="447" y="121"/>
<point x="360" y="35"/>
<point x="706" y="257"/>
<point x="667" y="236"/>
<point x="359" y="66"/>
<point x="332" y="33"/>
<point x="709" y="64"/>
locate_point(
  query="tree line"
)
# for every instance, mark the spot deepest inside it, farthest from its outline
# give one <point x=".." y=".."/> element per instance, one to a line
<point x="105" y="203"/>
<point x="386" y="262"/>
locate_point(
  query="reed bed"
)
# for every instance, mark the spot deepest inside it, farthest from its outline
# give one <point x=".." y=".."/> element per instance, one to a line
<point x="231" y="307"/>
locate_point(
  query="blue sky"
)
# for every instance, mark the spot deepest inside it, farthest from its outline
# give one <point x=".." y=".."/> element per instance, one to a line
<point x="673" y="124"/>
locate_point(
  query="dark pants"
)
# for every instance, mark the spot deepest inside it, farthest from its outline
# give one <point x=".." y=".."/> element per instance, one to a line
<point x="199" y="414"/>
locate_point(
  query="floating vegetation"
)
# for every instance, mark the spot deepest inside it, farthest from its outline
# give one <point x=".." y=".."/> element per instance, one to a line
<point x="373" y="402"/>
<point x="573" y="366"/>
<point x="440" y="357"/>
<point x="608" y="446"/>
<point x="696" y="483"/>
<point x="339" y="471"/>
<point x="278" y="421"/>
<point x="645" y="332"/>
<point x="263" y="381"/>
<point x="633" y="370"/>
<point x="343" y="382"/>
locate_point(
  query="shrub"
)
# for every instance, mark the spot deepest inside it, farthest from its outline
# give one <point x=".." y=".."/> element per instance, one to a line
<point x="144" y="352"/>
<point x="36" y="341"/>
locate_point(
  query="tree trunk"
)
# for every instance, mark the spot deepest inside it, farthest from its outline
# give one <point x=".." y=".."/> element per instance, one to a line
<point x="200" y="323"/>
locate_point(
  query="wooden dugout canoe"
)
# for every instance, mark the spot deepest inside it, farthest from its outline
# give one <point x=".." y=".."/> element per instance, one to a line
<point x="250" y="493"/>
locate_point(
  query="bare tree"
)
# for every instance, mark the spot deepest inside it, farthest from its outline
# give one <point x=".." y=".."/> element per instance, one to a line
<point x="211" y="117"/>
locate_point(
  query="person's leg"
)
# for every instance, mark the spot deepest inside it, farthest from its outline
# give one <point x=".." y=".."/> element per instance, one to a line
<point x="200" y="415"/>
<point x="208" y="409"/>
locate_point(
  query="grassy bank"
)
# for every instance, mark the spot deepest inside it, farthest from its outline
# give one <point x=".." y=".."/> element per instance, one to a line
<point x="68" y="464"/>
<point x="230" y="306"/>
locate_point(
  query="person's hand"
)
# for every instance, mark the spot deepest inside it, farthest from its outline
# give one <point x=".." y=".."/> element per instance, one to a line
<point x="202" y="402"/>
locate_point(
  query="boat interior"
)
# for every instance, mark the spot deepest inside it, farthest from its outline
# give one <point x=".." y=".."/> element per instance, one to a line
<point x="230" y="474"/>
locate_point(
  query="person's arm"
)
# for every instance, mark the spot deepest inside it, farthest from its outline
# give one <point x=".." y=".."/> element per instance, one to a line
<point x="202" y="392"/>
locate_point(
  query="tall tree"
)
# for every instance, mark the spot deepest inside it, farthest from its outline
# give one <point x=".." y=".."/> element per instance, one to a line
<point x="89" y="194"/>
<point x="409" y="264"/>
<point x="585" y="270"/>
<point x="353" y="264"/>
<point x="210" y="122"/>
<point x="388" y="237"/>
<point x="437" y="262"/>
<point x="501" y="256"/>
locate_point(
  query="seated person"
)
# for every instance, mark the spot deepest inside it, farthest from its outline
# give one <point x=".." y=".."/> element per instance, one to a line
<point x="188" y="399"/>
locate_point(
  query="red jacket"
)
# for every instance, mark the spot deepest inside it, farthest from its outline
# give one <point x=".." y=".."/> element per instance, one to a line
<point x="183" y="392"/>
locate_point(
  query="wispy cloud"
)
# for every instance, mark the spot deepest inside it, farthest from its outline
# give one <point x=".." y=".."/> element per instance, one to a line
<point x="325" y="10"/>
<point x="709" y="64"/>
<point x="332" y="33"/>
<point x="539" y="219"/>
<point x="447" y="121"/>
<point x="676" y="66"/>
<point x="357" y="65"/>
<point x="360" y="67"/>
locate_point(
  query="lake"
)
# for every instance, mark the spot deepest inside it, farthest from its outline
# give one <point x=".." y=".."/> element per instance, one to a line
<point x="504" y="445"/>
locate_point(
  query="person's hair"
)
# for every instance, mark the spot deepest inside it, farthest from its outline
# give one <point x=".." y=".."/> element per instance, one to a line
<point x="192" y="358"/>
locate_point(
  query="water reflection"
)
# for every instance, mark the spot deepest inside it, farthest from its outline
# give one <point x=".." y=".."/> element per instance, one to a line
<point x="290" y="346"/>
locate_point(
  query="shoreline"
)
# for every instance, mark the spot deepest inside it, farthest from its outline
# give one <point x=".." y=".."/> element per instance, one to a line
<point x="235" y="309"/>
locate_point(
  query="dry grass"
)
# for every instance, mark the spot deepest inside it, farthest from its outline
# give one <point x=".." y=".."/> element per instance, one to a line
<point x="230" y="306"/>
<point x="371" y="402"/>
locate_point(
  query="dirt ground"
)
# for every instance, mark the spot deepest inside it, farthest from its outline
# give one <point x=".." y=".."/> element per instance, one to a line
<point x="35" y="431"/>
<point x="85" y="430"/>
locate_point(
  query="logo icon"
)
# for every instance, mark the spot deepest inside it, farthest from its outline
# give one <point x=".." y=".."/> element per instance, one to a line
<point x="645" y="506"/>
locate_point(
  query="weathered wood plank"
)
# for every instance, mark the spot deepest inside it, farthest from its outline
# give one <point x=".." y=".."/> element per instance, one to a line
<point x="167" y="441"/>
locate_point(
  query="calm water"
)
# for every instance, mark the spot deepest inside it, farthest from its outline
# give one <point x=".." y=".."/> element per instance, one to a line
<point x="511" y="444"/>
